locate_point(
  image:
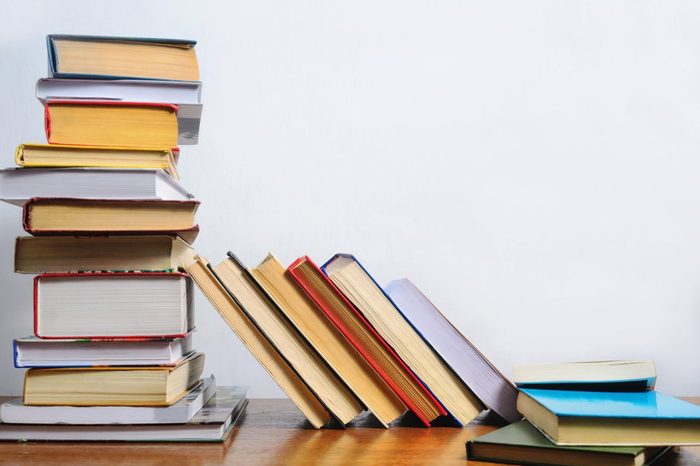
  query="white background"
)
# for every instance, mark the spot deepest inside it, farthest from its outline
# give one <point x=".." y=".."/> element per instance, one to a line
<point x="533" y="166"/>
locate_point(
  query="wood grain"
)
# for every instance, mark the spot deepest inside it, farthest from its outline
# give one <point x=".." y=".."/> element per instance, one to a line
<point x="273" y="432"/>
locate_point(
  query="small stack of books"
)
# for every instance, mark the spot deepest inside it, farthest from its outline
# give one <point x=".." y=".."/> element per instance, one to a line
<point x="590" y="413"/>
<point x="339" y="344"/>
<point x="111" y="357"/>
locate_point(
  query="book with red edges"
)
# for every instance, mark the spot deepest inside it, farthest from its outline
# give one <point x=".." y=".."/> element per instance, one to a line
<point x="358" y="331"/>
<point x="109" y="305"/>
<point x="99" y="217"/>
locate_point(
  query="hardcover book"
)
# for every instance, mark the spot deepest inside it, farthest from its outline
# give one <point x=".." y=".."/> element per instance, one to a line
<point x="104" y="57"/>
<point x="382" y="313"/>
<point x="522" y="443"/>
<point x="366" y="340"/>
<point x="604" y="376"/>
<point x="647" y="418"/>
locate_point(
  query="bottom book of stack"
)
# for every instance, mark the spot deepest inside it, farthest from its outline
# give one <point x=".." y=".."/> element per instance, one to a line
<point x="207" y="414"/>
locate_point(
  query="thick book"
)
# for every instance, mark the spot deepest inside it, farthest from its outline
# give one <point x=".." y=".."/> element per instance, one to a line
<point x="107" y="57"/>
<point x="366" y="340"/>
<point x="113" y="386"/>
<point x="113" y="124"/>
<point x="605" y="376"/>
<point x="41" y="352"/>
<point x="258" y="344"/>
<point x="62" y="254"/>
<point x="273" y="280"/>
<point x="185" y="94"/>
<point x="358" y="286"/>
<point x="17" y="185"/>
<point x="213" y="423"/>
<point x="66" y="156"/>
<point x="320" y="378"/>
<point x="467" y="362"/>
<point x="109" y="305"/>
<point x="649" y="418"/>
<point x="522" y="443"/>
<point x="80" y="217"/>
<point x="15" y="411"/>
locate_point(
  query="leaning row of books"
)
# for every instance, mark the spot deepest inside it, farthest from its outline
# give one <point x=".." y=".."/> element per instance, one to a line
<point x="112" y="357"/>
<point x="589" y="414"/>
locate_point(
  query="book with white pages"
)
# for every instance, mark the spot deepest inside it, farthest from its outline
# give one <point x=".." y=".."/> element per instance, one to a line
<point x="185" y="94"/>
<point x="213" y="423"/>
<point x="16" y="412"/>
<point x="37" y="352"/>
<point x="17" y="185"/>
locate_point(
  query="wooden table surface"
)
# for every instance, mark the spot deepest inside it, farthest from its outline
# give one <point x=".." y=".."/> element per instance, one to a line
<point x="274" y="432"/>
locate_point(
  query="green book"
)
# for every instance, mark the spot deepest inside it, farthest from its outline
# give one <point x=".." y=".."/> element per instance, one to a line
<point x="522" y="443"/>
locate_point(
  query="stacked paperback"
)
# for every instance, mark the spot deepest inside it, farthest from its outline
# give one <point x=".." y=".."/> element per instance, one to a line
<point x="339" y="344"/>
<point x="590" y="413"/>
<point x="111" y="357"/>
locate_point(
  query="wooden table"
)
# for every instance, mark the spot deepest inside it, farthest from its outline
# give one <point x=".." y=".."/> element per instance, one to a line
<point x="275" y="432"/>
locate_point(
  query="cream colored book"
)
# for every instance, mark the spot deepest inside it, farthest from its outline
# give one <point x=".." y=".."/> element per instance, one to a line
<point x="258" y="344"/>
<point x="45" y="254"/>
<point x="359" y="287"/>
<point x="327" y="340"/>
<point x="113" y="386"/>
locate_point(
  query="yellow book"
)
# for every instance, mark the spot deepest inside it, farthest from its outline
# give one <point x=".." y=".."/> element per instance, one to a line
<point x="120" y="124"/>
<point x="62" y="156"/>
<point x="113" y="386"/>
<point x="122" y="57"/>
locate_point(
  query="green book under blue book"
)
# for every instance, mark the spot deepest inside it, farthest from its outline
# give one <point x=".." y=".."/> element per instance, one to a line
<point x="611" y="418"/>
<point x="522" y="443"/>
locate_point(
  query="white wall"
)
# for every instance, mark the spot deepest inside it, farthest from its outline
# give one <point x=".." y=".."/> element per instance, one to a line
<point x="533" y="166"/>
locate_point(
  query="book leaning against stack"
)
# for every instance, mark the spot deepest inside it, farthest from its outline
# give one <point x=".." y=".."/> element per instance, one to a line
<point x="111" y="357"/>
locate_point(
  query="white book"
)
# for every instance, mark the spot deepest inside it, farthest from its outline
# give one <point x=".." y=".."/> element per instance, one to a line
<point x="185" y="94"/>
<point x="36" y="352"/>
<point x="113" y="305"/>
<point x="17" y="185"/>
<point x="15" y="412"/>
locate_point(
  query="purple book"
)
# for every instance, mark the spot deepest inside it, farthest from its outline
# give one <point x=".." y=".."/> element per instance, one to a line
<point x="472" y="367"/>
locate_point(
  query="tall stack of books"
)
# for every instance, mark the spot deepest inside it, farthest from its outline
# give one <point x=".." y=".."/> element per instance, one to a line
<point x="339" y="344"/>
<point x="590" y="413"/>
<point x="111" y="357"/>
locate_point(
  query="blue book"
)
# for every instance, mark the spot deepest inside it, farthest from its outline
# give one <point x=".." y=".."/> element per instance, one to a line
<point x="107" y="57"/>
<point x="611" y="418"/>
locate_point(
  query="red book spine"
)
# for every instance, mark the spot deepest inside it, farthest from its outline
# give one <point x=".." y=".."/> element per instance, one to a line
<point x="352" y="338"/>
<point x="38" y="279"/>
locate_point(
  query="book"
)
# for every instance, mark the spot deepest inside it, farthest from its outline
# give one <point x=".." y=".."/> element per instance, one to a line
<point x="467" y="362"/>
<point x="66" y="156"/>
<point x="113" y="386"/>
<point x="40" y="352"/>
<point x="366" y="340"/>
<point x="103" y="57"/>
<point x="606" y="376"/>
<point x="213" y="423"/>
<point x="44" y="254"/>
<point x="272" y="279"/>
<point x="258" y="344"/>
<point x="329" y="389"/>
<point x="113" y="305"/>
<point x="358" y="286"/>
<point x="185" y="94"/>
<point x="75" y="217"/>
<point x="522" y="443"/>
<point x="15" y="411"/>
<point x="110" y="123"/>
<point x="649" y="418"/>
<point x="17" y="185"/>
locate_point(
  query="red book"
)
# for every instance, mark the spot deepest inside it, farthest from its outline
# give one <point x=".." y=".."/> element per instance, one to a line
<point x="352" y="324"/>
<point x="113" y="305"/>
